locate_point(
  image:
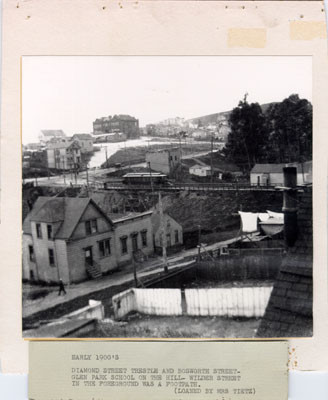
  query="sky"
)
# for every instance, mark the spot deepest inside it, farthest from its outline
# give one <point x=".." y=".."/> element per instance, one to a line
<point x="70" y="92"/>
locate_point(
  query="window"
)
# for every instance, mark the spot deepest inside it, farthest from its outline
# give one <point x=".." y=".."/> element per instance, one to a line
<point x="49" y="231"/>
<point x="104" y="248"/>
<point x="51" y="257"/>
<point x="124" y="244"/>
<point x="144" y="238"/>
<point x="38" y="231"/>
<point x="91" y="227"/>
<point x="31" y="253"/>
<point x="176" y="234"/>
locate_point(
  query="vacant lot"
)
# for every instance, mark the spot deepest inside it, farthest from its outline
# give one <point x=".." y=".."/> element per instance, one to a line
<point x="145" y="326"/>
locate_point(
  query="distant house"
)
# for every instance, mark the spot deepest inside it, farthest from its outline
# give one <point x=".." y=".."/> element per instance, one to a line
<point x="201" y="134"/>
<point x="46" y="135"/>
<point x="85" y="141"/>
<point x="173" y="230"/>
<point x="165" y="160"/>
<point x="64" y="155"/>
<point x="35" y="159"/>
<point x="73" y="239"/>
<point x="33" y="147"/>
<point x="119" y="123"/>
<point x="272" y="174"/>
<point x="200" y="170"/>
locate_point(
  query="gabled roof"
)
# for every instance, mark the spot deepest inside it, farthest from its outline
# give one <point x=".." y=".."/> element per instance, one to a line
<point x="305" y="167"/>
<point x="201" y="166"/>
<point x="156" y="220"/>
<point x="66" y="210"/>
<point x="53" y="132"/>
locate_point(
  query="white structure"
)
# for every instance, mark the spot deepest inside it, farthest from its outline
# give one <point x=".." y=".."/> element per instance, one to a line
<point x="64" y="156"/>
<point x="164" y="160"/>
<point x="173" y="230"/>
<point x="49" y="134"/>
<point x="272" y="174"/>
<point x="201" y="134"/>
<point x="85" y="141"/>
<point x="200" y="170"/>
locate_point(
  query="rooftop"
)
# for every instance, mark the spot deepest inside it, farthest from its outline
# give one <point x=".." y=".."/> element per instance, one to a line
<point x="117" y="218"/>
<point x="119" y="117"/>
<point x="201" y="166"/>
<point x="53" y="133"/>
<point x="305" y="167"/>
<point x="65" y="210"/>
<point x="289" y="312"/>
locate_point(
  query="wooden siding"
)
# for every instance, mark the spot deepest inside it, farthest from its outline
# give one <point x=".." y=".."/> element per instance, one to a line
<point x="76" y="256"/>
<point x="128" y="227"/>
<point x="90" y="213"/>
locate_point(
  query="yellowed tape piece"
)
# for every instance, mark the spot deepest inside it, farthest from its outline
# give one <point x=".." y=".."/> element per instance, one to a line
<point x="307" y="30"/>
<point x="247" y="37"/>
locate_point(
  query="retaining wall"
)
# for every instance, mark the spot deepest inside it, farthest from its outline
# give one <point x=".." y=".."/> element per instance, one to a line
<point x="95" y="310"/>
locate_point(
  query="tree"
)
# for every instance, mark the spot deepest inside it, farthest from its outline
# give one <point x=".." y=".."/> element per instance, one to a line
<point x="247" y="139"/>
<point x="289" y="127"/>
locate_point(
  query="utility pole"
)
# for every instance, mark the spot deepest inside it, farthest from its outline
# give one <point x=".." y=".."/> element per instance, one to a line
<point x="163" y="232"/>
<point x="75" y="173"/>
<point x="134" y="271"/>
<point x="151" y="178"/>
<point x="128" y="158"/>
<point x="200" y="230"/>
<point x="87" y="180"/>
<point x="212" y="159"/>
<point x="106" y="157"/>
<point x="64" y="171"/>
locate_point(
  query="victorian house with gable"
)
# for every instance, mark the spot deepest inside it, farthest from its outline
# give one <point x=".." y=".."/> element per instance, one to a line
<point x="73" y="239"/>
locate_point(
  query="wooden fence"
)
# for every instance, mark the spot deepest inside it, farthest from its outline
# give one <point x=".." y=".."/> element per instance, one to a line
<point x="247" y="302"/>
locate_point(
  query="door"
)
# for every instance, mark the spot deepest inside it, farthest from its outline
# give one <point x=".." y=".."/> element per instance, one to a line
<point x="88" y="255"/>
<point x="135" y="243"/>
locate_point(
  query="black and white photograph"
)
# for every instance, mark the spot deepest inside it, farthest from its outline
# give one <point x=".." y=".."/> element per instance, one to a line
<point x="166" y="196"/>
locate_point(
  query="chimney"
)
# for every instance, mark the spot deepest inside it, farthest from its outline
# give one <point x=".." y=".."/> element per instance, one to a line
<point x="290" y="205"/>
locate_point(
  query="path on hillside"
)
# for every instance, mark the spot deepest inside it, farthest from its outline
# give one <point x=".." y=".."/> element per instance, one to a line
<point x="148" y="268"/>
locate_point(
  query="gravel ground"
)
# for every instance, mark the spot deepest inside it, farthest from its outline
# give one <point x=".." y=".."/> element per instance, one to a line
<point x="143" y="326"/>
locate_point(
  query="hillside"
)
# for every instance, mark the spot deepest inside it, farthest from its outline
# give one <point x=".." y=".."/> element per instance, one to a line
<point x="212" y="118"/>
<point x="218" y="212"/>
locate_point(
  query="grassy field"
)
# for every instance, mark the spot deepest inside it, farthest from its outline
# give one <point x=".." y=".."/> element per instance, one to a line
<point x="136" y="155"/>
